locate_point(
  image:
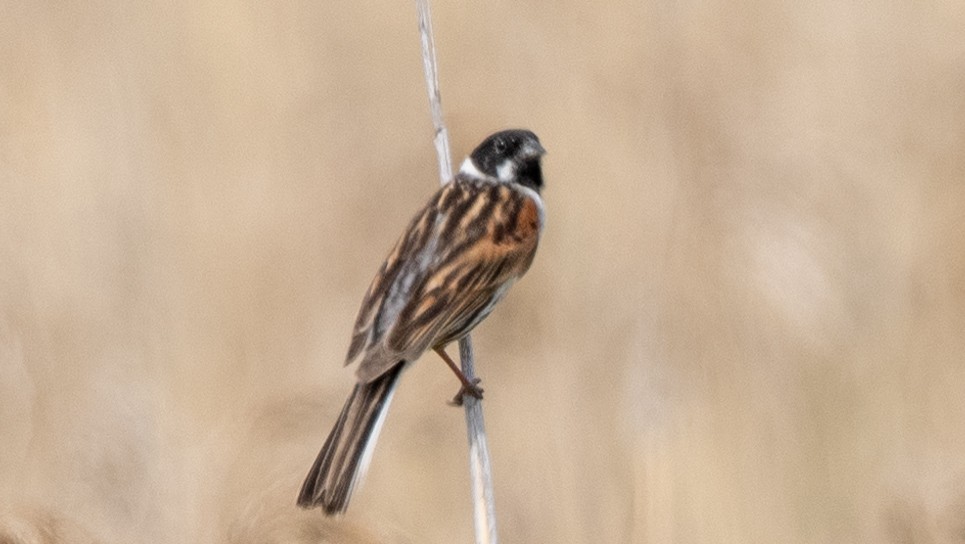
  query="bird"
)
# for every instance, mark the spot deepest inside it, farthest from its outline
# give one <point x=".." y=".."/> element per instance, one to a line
<point x="454" y="262"/>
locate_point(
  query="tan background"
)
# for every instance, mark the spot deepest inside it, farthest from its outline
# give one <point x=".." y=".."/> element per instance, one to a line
<point x="746" y="322"/>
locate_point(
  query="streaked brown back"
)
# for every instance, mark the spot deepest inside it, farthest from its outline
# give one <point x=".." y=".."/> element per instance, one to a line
<point x="453" y="263"/>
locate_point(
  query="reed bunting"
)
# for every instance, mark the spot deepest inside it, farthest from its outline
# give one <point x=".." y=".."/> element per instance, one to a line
<point x="457" y="259"/>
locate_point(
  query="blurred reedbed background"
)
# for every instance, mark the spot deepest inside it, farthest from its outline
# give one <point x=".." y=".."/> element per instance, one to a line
<point x="745" y="322"/>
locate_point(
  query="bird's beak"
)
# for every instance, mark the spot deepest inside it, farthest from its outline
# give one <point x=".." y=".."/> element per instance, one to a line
<point x="534" y="150"/>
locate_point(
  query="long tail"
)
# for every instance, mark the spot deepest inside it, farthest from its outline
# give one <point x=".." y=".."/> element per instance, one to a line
<point x="346" y="454"/>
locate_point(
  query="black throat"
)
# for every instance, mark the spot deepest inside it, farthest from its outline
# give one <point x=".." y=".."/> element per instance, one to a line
<point x="530" y="175"/>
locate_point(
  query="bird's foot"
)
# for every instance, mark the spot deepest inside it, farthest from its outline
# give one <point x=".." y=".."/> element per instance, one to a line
<point x="471" y="389"/>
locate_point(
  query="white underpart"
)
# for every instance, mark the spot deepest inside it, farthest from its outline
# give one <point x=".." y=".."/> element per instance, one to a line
<point x="488" y="309"/>
<point x="470" y="170"/>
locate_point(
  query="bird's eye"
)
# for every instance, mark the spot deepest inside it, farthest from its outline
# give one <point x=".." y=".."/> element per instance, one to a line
<point x="500" y="146"/>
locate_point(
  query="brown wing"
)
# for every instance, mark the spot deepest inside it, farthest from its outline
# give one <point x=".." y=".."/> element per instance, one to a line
<point x="455" y="261"/>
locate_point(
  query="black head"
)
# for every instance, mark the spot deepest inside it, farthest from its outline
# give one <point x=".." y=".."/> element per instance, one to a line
<point x="511" y="156"/>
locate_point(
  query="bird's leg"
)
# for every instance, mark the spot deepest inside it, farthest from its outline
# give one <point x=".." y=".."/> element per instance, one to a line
<point x="469" y="387"/>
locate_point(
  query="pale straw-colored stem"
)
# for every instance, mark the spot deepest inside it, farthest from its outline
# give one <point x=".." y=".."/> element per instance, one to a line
<point x="480" y="468"/>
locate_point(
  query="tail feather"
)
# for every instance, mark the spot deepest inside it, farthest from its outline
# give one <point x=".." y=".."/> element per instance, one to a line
<point x="345" y="456"/>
